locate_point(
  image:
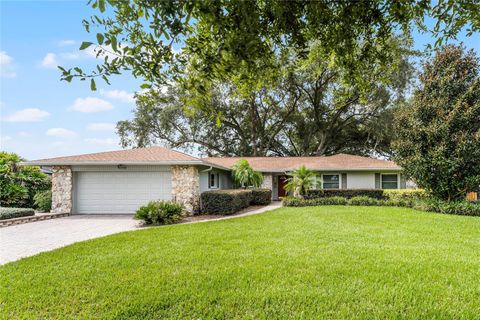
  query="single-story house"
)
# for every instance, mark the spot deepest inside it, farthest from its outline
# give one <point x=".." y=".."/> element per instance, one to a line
<point x="122" y="181"/>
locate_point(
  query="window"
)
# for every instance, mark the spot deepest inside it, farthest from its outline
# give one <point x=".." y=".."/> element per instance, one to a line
<point x="331" y="181"/>
<point x="213" y="181"/>
<point x="389" y="181"/>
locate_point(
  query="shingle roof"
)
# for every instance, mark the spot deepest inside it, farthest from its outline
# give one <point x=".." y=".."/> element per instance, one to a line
<point x="149" y="155"/>
<point x="340" y="161"/>
<point x="160" y="155"/>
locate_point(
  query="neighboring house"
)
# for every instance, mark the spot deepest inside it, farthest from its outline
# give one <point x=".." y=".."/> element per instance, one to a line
<point x="122" y="181"/>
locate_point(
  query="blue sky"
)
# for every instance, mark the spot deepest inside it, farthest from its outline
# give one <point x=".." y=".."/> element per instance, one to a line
<point x="42" y="117"/>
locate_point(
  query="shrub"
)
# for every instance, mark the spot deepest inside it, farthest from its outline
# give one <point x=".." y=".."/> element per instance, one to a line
<point x="261" y="197"/>
<point x="225" y="201"/>
<point x="363" y="201"/>
<point x="160" y="212"/>
<point x="9" y="213"/>
<point x="19" y="184"/>
<point x="346" y="193"/>
<point x="406" y="194"/>
<point x="298" y="202"/>
<point x="43" y="200"/>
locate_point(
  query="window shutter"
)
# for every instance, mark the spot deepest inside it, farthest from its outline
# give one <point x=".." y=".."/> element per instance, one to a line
<point x="344" y="181"/>
<point x="377" y="181"/>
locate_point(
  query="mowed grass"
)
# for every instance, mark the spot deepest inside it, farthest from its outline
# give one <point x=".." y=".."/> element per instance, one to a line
<point x="316" y="262"/>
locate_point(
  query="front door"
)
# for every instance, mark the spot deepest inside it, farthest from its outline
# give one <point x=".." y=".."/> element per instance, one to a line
<point x="282" y="181"/>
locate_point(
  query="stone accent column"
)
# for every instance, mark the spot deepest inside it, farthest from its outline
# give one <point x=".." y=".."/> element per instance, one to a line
<point x="62" y="187"/>
<point x="186" y="187"/>
<point x="267" y="181"/>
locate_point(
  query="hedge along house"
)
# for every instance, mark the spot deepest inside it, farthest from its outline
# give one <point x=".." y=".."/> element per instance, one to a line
<point x="119" y="182"/>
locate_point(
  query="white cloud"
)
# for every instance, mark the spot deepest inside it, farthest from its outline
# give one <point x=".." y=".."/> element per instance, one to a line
<point x="101" y="52"/>
<point x="101" y="126"/>
<point x="50" y="61"/>
<point x="27" y="115"/>
<point x="120" y="95"/>
<point x="68" y="42"/>
<point x="60" y="132"/>
<point x="24" y="134"/>
<point x="90" y="104"/>
<point x="6" y="65"/>
<point x="5" y="138"/>
<point x="107" y="141"/>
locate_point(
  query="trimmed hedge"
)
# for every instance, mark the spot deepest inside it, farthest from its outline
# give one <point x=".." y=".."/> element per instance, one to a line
<point x="232" y="201"/>
<point x="464" y="208"/>
<point x="261" y="197"/>
<point x="328" y="201"/>
<point x="346" y="193"/>
<point x="406" y="194"/>
<point x="225" y="201"/>
<point x="9" y="213"/>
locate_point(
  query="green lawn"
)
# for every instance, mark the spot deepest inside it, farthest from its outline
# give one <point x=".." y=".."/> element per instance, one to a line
<point x="316" y="262"/>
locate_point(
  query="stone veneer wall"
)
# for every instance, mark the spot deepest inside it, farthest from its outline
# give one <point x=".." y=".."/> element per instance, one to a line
<point x="267" y="181"/>
<point x="62" y="189"/>
<point x="186" y="187"/>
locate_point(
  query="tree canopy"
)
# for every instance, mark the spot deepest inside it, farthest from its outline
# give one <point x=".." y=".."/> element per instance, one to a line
<point x="305" y="108"/>
<point x="223" y="39"/>
<point x="438" y="132"/>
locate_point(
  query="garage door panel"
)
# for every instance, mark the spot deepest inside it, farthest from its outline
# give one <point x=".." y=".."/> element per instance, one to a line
<point x="119" y="192"/>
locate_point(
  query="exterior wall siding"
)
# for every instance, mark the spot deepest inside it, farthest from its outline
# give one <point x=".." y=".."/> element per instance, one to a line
<point x="361" y="180"/>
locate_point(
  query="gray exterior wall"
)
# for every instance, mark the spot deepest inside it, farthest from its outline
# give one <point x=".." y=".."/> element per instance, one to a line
<point x="225" y="180"/>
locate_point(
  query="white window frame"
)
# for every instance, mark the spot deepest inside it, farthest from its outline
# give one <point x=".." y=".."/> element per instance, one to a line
<point x="332" y="174"/>
<point x="389" y="173"/>
<point x="216" y="180"/>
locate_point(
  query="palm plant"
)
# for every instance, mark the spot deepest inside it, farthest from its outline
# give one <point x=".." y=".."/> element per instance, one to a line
<point x="302" y="180"/>
<point x="244" y="175"/>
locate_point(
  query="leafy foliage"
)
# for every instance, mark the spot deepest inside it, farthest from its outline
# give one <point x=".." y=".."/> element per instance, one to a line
<point x="225" y="202"/>
<point x="160" y="212"/>
<point x="226" y="39"/>
<point x="10" y="213"/>
<point x="300" y="182"/>
<point x="464" y="208"/>
<point x="261" y="197"/>
<point x="438" y="132"/>
<point x="346" y="193"/>
<point x="18" y="184"/>
<point x="305" y="107"/>
<point x="43" y="200"/>
<point x="244" y="176"/>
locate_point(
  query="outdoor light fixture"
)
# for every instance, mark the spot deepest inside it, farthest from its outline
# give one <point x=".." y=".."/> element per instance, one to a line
<point x="122" y="166"/>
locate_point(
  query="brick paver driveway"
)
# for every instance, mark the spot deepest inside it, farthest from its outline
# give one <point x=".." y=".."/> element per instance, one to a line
<point x="31" y="238"/>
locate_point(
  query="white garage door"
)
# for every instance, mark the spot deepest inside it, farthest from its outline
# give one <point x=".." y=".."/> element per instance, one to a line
<point x="119" y="192"/>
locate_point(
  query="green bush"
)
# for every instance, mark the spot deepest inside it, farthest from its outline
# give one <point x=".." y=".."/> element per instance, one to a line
<point x="363" y="201"/>
<point x="43" y="200"/>
<point x="406" y="194"/>
<point x="465" y="208"/>
<point x="160" y="212"/>
<point x="261" y="197"/>
<point x="345" y="193"/>
<point x="9" y="213"/>
<point x="19" y="184"/>
<point x="329" y="201"/>
<point x="225" y="201"/>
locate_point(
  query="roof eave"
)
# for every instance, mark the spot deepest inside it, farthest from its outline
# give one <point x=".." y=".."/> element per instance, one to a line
<point x="109" y="162"/>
